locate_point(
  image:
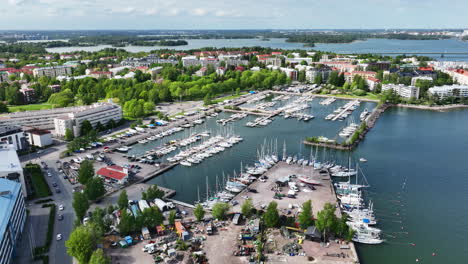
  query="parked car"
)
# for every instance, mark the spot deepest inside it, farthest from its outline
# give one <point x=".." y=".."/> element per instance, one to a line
<point x="59" y="237"/>
<point x="54" y="184"/>
<point x="60" y="217"/>
<point x="57" y="190"/>
<point x="61" y="207"/>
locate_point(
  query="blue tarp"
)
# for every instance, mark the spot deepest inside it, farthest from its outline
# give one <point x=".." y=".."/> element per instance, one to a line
<point x="252" y="92"/>
<point x="365" y="220"/>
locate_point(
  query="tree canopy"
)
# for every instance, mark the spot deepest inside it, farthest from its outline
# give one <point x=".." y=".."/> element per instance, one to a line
<point x="220" y="210"/>
<point x="305" y="217"/>
<point x="81" y="243"/>
<point x="271" y="216"/>
<point x="80" y="204"/>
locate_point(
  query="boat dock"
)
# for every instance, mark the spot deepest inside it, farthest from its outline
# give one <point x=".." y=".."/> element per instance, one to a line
<point x="348" y="107"/>
<point x="181" y="203"/>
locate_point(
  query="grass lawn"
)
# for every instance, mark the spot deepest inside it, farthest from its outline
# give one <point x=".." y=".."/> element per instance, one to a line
<point x="367" y="96"/>
<point x="38" y="181"/>
<point x="30" y="107"/>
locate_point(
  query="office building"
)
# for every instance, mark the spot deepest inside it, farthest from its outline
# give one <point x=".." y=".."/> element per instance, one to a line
<point x="53" y="71"/>
<point x="12" y="219"/>
<point x="449" y="91"/>
<point x="402" y="90"/>
<point x="96" y="113"/>
<point x="13" y="135"/>
<point x="10" y="167"/>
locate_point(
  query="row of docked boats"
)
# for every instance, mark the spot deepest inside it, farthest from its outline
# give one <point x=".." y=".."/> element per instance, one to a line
<point x="232" y="118"/>
<point x="259" y="122"/>
<point x="206" y="149"/>
<point x="257" y="98"/>
<point x="282" y="97"/>
<point x="161" y="135"/>
<point x="361" y="217"/>
<point x="364" y="114"/>
<point x="343" y="112"/>
<point x="328" y="101"/>
<point x="300" y="116"/>
<point x="348" y="130"/>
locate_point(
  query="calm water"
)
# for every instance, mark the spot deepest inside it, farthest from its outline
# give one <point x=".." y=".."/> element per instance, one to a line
<point x="368" y="46"/>
<point x="417" y="170"/>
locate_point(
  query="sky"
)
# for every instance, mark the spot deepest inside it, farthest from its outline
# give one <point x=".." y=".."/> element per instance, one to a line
<point x="232" y="14"/>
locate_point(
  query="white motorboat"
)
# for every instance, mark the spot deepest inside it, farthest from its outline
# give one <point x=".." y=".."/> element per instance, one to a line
<point x="362" y="160"/>
<point x="308" y="180"/>
<point x="185" y="163"/>
<point x="143" y="141"/>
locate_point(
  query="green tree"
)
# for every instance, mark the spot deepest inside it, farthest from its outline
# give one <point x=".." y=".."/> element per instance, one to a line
<point x="305" y="217"/>
<point x="80" y="204"/>
<point x="86" y="172"/>
<point x="207" y="99"/>
<point x="81" y="243"/>
<point x="152" y="193"/>
<point x="3" y="108"/>
<point x="247" y="208"/>
<point x="199" y="212"/>
<point x="100" y="127"/>
<point x="69" y="136"/>
<point x="85" y="128"/>
<point x="326" y="219"/>
<point x="271" y="216"/>
<point x="220" y="210"/>
<point x="102" y="224"/>
<point x="127" y="223"/>
<point x="318" y="79"/>
<point x="152" y="217"/>
<point x="123" y="200"/>
<point x="95" y="188"/>
<point x="172" y="216"/>
<point x="98" y="257"/>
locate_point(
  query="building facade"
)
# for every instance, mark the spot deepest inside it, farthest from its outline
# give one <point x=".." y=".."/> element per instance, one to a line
<point x="10" y="167"/>
<point x="402" y="90"/>
<point x="449" y="91"/>
<point x="39" y="137"/>
<point x="12" y="219"/>
<point x="96" y="113"/>
<point x="53" y="71"/>
<point x="13" y="135"/>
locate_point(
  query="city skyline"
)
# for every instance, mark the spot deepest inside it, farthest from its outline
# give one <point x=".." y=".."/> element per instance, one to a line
<point x="202" y="14"/>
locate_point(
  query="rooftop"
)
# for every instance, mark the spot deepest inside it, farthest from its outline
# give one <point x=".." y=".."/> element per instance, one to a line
<point x="113" y="172"/>
<point x="9" y="157"/>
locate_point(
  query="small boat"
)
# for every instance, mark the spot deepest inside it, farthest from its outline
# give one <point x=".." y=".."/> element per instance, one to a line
<point x="143" y="141"/>
<point x="362" y="160"/>
<point x="308" y="180"/>
<point x="185" y="163"/>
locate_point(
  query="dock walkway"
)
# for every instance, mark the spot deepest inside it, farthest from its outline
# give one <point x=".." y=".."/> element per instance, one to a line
<point x="344" y="110"/>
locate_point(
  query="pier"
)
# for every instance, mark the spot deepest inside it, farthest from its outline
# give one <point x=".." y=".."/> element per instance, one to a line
<point x="348" y="106"/>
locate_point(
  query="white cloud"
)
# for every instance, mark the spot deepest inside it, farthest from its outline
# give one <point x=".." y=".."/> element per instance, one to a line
<point x="173" y="12"/>
<point x="151" y="11"/>
<point x="199" y="11"/>
<point x="122" y="10"/>
<point x="16" y="2"/>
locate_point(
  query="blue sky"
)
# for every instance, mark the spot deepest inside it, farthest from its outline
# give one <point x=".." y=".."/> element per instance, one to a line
<point x="238" y="14"/>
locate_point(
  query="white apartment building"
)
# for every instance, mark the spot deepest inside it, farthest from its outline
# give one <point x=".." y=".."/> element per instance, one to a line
<point x="96" y="113"/>
<point x="39" y="137"/>
<point x="299" y="60"/>
<point x="12" y="219"/>
<point x="402" y="90"/>
<point x="13" y="135"/>
<point x="53" y="71"/>
<point x="449" y="91"/>
<point x="10" y="167"/>
<point x="459" y="75"/>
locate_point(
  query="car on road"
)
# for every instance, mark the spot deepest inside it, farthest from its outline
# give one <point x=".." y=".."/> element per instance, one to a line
<point x="54" y="184"/>
<point x="39" y="151"/>
<point x="57" y="190"/>
<point x="61" y="207"/>
<point x="59" y="237"/>
<point x="60" y="217"/>
<point x="49" y="174"/>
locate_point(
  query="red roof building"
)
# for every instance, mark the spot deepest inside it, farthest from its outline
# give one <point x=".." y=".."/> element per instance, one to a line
<point x="114" y="173"/>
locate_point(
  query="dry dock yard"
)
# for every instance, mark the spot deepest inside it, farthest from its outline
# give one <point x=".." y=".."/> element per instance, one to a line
<point x="288" y="242"/>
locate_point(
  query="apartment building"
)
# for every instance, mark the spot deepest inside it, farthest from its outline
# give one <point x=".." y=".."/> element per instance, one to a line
<point x="402" y="90"/>
<point x="29" y="94"/>
<point x="449" y="91"/>
<point x="39" y="137"/>
<point x="459" y="75"/>
<point x="53" y="71"/>
<point x="12" y="219"/>
<point x="96" y="113"/>
<point x="13" y="135"/>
